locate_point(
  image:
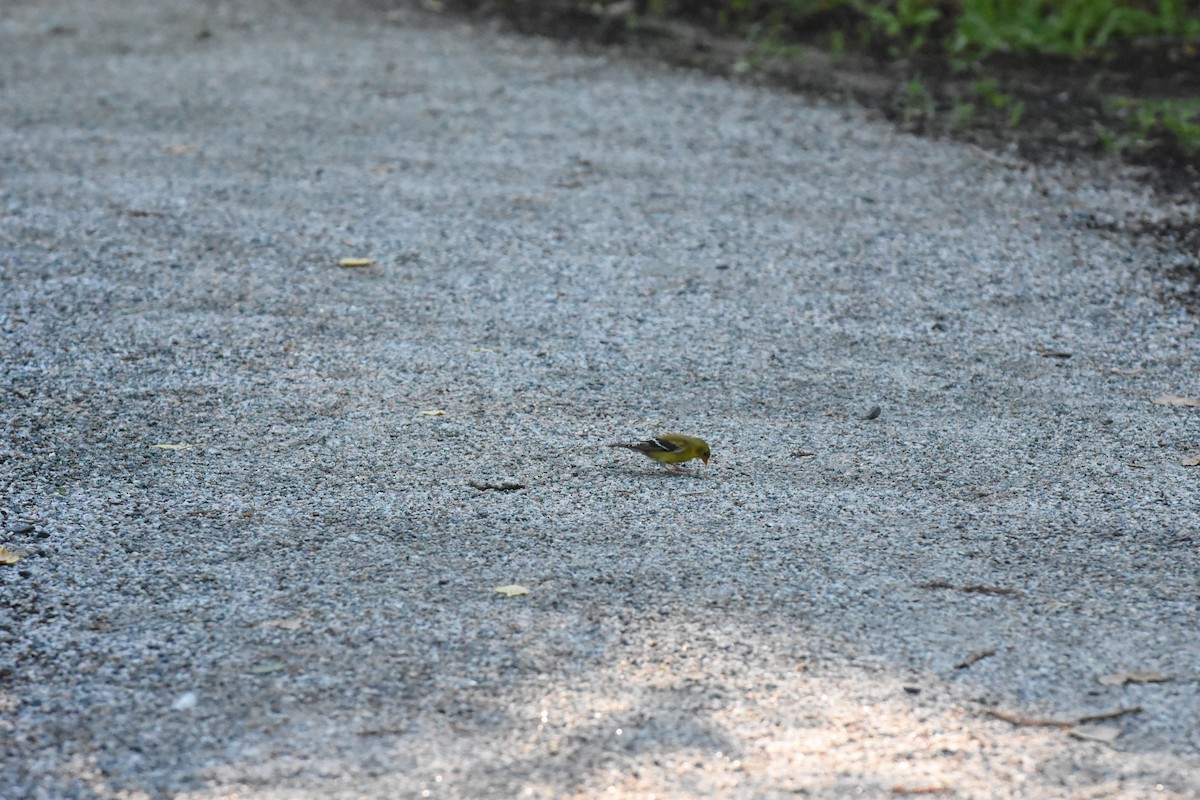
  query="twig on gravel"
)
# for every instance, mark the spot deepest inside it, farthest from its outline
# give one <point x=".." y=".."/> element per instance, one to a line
<point x="1037" y="722"/>
<point x="995" y="159"/>
<point x="1030" y="169"/>
<point x="1120" y="712"/>
<point x="980" y="589"/>
<point x="1050" y="352"/>
<point x="384" y="732"/>
<point x="506" y="486"/>
<point x="971" y="589"/>
<point x="973" y="656"/>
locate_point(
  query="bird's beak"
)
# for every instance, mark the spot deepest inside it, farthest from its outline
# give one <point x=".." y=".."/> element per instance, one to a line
<point x="705" y="460"/>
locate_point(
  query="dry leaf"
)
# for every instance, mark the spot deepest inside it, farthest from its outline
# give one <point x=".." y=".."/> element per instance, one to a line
<point x="8" y="557"/>
<point x="1132" y="676"/>
<point x="172" y="446"/>
<point x="355" y="262"/>
<point x="513" y="590"/>
<point x="433" y="412"/>
<point x="1106" y="732"/>
<point x="1175" y="401"/>
<point x="178" y="149"/>
<point x="1190" y="461"/>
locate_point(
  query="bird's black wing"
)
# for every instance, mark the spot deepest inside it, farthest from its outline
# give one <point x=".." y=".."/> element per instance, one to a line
<point x="657" y="445"/>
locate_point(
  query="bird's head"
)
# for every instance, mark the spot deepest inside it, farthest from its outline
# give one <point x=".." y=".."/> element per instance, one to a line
<point x="705" y="454"/>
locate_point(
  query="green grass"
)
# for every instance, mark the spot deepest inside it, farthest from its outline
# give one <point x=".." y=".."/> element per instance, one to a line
<point x="1178" y="120"/>
<point x="967" y="36"/>
<point x="985" y="90"/>
<point x="965" y="65"/>
<point x="905" y="25"/>
<point x="916" y="102"/>
<point x="972" y="28"/>
<point x="1075" y="28"/>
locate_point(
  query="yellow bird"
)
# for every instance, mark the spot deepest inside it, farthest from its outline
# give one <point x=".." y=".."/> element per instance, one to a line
<point x="671" y="449"/>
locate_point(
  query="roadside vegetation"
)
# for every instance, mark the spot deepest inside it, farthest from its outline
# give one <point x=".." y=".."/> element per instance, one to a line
<point x="1042" y="77"/>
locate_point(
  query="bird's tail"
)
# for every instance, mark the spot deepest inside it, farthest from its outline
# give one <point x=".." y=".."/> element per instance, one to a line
<point x="626" y="445"/>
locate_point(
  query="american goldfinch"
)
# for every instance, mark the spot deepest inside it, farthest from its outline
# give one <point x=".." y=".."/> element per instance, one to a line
<point x="670" y="449"/>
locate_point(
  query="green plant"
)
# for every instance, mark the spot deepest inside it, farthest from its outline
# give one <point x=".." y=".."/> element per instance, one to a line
<point x="1075" y="28"/>
<point x="988" y="92"/>
<point x="916" y="101"/>
<point x="837" y="43"/>
<point x="962" y="115"/>
<point x="1016" y="112"/>
<point x="1176" y="19"/>
<point x="906" y="22"/>
<point x="1177" y="119"/>
<point x="1182" y="119"/>
<point x="775" y="47"/>
<point x="1110" y="140"/>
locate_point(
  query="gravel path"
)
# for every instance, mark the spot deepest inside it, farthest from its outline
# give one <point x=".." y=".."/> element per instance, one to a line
<point x="568" y="248"/>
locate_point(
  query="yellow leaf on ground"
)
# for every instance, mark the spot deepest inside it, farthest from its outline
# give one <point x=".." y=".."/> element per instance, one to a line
<point x="514" y="590"/>
<point x="172" y="446"/>
<point x="433" y="412"/>
<point x="355" y="262"/>
<point x="1175" y="401"/>
<point x="8" y="556"/>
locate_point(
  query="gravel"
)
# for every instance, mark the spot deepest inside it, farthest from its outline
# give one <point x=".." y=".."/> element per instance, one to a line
<point x="926" y="374"/>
